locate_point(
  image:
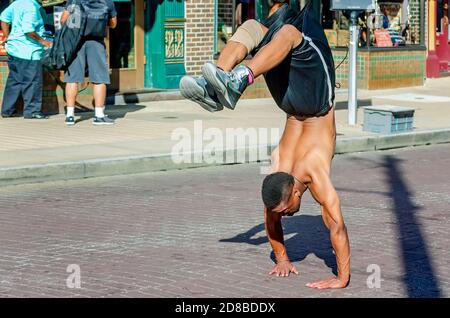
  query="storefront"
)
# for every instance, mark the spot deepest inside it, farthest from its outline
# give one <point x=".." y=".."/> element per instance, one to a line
<point x="395" y="63"/>
<point x="156" y="42"/>
<point x="439" y="38"/>
<point x="392" y="51"/>
<point x="145" y="51"/>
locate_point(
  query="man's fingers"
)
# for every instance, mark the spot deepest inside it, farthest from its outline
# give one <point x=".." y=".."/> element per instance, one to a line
<point x="312" y="285"/>
<point x="283" y="272"/>
<point x="320" y="284"/>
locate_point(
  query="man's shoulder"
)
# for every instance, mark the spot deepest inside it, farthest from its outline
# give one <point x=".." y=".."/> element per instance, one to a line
<point x="19" y="4"/>
<point x="27" y="5"/>
<point x="110" y="4"/>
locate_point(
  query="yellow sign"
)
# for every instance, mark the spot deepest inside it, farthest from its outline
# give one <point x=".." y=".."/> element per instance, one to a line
<point x="332" y="37"/>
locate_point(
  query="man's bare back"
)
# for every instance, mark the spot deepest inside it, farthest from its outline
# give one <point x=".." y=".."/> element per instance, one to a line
<point x="305" y="141"/>
<point x="293" y="54"/>
<point x="306" y="150"/>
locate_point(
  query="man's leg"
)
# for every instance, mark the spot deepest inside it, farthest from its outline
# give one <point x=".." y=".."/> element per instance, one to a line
<point x="245" y="39"/>
<point x="12" y="90"/>
<point x="284" y="41"/>
<point x="230" y="86"/>
<point x="99" y="93"/>
<point x="99" y="75"/>
<point x="73" y="76"/>
<point x="32" y="89"/>
<point x="71" y="98"/>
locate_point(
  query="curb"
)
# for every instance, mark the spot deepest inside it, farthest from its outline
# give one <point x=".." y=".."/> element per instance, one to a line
<point x="164" y="162"/>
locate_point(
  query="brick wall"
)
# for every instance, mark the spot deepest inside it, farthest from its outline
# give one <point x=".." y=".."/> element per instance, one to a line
<point x="225" y="11"/>
<point x="199" y="34"/>
<point x="383" y="69"/>
<point x="414" y="21"/>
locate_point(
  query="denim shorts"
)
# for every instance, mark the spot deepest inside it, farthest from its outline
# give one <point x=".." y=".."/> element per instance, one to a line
<point x="90" y="62"/>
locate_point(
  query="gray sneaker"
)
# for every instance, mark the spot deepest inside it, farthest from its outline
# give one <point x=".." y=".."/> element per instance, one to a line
<point x="228" y="86"/>
<point x="70" y="121"/>
<point x="103" y="121"/>
<point x="199" y="91"/>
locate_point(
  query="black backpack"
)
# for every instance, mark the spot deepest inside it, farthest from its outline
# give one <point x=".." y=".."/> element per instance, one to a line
<point x="88" y="19"/>
<point x="97" y="16"/>
<point x="68" y="40"/>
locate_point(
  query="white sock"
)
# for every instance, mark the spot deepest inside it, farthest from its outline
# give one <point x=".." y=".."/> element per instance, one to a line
<point x="70" y="111"/>
<point x="99" y="112"/>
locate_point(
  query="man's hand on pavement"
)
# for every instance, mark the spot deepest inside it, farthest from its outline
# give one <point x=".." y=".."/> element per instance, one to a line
<point x="283" y="269"/>
<point x="333" y="282"/>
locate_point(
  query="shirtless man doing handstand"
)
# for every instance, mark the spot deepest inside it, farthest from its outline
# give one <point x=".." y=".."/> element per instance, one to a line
<point x="292" y="52"/>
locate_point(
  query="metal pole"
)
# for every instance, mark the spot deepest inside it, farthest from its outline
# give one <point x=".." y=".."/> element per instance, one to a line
<point x="352" y="84"/>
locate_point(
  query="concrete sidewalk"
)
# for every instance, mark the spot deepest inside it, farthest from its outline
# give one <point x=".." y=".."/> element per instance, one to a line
<point x="145" y="134"/>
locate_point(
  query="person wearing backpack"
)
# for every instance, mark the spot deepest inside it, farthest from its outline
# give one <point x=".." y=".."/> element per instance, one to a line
<point x="23" y="25"/>
<point x="91" y="56"/>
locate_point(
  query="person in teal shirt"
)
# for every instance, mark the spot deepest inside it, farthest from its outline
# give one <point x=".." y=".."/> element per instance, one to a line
<point x="23" y="25"/>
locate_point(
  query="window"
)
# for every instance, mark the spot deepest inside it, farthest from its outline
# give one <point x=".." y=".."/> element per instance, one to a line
<point x="231" y="14"/>
<point x="121" y="39"/>
<point x="399" y="18"/>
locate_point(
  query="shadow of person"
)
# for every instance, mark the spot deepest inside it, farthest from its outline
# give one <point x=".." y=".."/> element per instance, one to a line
<point x="113" y="111"/>
<point x="419" y="277"/>
<point x="51" y="85"/>
<point x="306" y="235"/>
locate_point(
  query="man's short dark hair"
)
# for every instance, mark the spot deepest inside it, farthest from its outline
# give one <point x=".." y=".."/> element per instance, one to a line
<point x="276" y="188"/>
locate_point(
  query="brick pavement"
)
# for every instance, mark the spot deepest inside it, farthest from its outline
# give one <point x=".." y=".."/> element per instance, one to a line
<point x="199" y="232"/>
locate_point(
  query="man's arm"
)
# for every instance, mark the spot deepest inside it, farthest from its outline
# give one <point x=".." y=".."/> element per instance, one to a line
<point x="324" y="193"/>
<point x="64" y="16"/>
<point x="37" y="38"/>
<point x="6" y="29"/>
<point x="274" y="232"/>
<point x="6" y="20"/>
<point x="29" y="25"/>
<point x="112" y="22"/>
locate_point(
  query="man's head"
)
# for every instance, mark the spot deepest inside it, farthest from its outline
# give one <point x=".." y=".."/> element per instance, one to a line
<point x="281" y="193"/>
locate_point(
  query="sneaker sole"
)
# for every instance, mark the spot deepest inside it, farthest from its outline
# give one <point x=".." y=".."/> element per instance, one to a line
<point x="102" y="124"/>
<point x="189" y="89"/>
<point x="209" y="71"/>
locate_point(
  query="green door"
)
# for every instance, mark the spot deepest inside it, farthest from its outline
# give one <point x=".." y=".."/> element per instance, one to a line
<point x="164" y="43"/>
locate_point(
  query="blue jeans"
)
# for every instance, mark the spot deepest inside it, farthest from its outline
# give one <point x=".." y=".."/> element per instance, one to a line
<point x="25" y="78"/>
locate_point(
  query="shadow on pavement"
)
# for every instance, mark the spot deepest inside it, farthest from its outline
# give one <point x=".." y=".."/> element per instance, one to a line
<point x="114" y="112"/>
<point x="419" y="277"/>
<point x="361" y="103"/>
<point x="307" y="235"/>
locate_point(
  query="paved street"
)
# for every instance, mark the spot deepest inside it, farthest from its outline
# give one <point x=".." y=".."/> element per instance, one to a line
<point x="200" y="232"/>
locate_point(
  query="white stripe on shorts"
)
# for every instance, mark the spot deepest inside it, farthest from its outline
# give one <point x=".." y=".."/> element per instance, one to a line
<point x="330" y="89"/>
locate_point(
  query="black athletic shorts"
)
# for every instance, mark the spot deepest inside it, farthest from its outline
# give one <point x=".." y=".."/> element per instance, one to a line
<point x="303" y="84"/>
